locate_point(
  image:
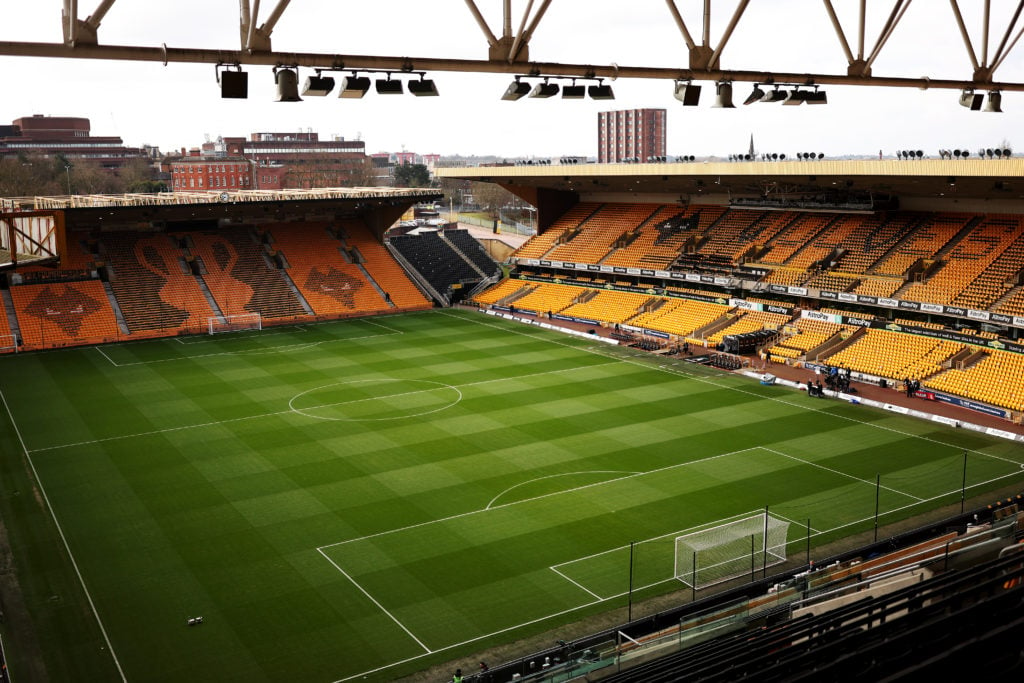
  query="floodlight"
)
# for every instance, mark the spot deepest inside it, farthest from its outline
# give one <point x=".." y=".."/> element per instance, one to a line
<point x="604" y="92"/>
<point x="233" y="84"/>
<point x="817" y="97"/>
<point x="995" y="101"/>
<point x="424" y="87"/>
<point x="775" y="95"/>
<point x="796" y="97"/>
<point x="574" y="92"/>
<point x="687" y="93"/>
<point x="544" y="90"/>
<point x="756" y="95"/>
<point x="318" y="86"/>
<point x="723" y="96"/>
<point x="354" y="87"/>
<point x="287" y="81"/>
<point x="516" y="90"/>
<point x="970" y="99"/>
<point x="388" y="86"/>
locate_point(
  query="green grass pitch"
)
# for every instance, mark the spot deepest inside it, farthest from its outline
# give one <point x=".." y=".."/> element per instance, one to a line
<point x="361" y="499"/>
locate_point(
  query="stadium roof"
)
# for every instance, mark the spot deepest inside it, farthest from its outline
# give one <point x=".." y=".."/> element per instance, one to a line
<point x="1001" y="179"/>
<point x="93" y="201"/>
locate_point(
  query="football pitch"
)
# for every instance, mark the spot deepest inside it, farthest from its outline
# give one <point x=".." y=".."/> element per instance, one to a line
<point x="361" y="499"/>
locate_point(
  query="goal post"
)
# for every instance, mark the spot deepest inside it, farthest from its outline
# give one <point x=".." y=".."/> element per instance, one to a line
<point x="726" y="551"/>
<point x="235" y="323"/>
<point x="8" y="343"/>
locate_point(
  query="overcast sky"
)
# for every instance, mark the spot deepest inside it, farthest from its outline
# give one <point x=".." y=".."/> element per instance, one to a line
<point x="179" y="105"/>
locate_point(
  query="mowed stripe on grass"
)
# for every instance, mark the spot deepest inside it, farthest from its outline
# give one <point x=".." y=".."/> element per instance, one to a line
<point x="187" y="483"/>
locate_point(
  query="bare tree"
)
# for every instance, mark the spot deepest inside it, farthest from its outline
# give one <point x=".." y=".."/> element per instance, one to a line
<point x="491" y="197"/>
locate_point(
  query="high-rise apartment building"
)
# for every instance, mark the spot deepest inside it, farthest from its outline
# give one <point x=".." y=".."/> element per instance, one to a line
<point x="635" y="135"/>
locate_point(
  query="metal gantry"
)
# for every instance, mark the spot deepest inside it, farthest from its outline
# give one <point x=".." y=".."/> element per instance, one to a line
<point x="510" y="53"/>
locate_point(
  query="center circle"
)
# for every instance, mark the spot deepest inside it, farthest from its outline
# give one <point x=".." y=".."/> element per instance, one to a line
<point x="365" y="400"/>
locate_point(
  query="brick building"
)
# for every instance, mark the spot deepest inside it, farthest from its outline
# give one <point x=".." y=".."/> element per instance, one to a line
<point x="635" y="135"/>
<point x="67" y="136"/>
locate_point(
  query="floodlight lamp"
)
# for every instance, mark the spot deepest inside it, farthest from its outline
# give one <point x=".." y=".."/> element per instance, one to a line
<point x="425" y="87"/>
<point x="574" y="92"/>
<point x="233" y="84"/>
<point x="318" y="86"/>
<point x="287" y="81"/>
<point x="601" y="91"/>
<point x="817" y="97"/>
<point x="796" y="97"/>
<point x="970" y="99"/>
<point x="775" y="95"/>
<point x="687" y="93"/>
<point x="995" y="101"/>
<point x="756" y="95"/>
<point x="516" y="90"/>
<point x="386" y="86"/>
<point x="723" y="96"/>
<point x="354" y="86"/>
<point x="544" y="90"/>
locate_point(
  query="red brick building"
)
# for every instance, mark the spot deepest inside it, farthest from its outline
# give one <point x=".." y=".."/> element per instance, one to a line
<point x="194" y="172"/>
<point x="635" y="135"/>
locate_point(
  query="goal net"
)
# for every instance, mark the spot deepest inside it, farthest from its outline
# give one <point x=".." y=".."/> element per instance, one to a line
<point x="235" y="323"/>
<point x="8" y="343"/>
<point x="729" y="550"/>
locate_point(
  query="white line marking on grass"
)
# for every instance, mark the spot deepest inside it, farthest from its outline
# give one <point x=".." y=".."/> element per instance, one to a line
<point x="375" y="602"/>
<point x="64" y="540"/>
<point x="600" y="351"/>
<point x="103" y="353"/>
<point x="575" y="583"/>
<point x="442" y="385"/>
<point x="266" y="350"/>
<point x="364" y="674"/>
<point x="284" y="412"/>
<point x="540" y="497"/>
<point x="213" y="339"/>
<point x="794" y="522"/>
<point x="842" y="474"/>
<point x="552" y="476"/>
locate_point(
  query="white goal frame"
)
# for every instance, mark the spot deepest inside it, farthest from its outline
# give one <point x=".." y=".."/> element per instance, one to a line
<point x="730" y="550"/>
<point x="8" y="342"/>
<point x="238" y="322"/>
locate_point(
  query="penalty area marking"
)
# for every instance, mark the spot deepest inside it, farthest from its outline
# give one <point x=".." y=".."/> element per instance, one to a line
<point x="552" y="476"/>
<point x="437" y="385"/>
<point x="301" y="346"/>
<point x="197" y="339"/>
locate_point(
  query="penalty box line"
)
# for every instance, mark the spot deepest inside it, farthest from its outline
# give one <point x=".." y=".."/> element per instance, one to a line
<point x="672" y="534"/>
<point x="642" y="361"/>
<point x="250" y="352"/>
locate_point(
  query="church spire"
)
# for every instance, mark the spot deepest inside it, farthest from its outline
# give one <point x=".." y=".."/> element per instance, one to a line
<point x="751" y="152"/>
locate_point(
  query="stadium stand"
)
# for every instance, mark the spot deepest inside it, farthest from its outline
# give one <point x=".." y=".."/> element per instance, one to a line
<point x="967" y="260"/>
<point x="681" y="316"/>
<point x="895" y="355"/>
<point x="433" y="257"/>
<point x="551" y="297"/>
<point x="609" y="306"/>
<point x="997" y="378"/>
<point x="63" y="314"/>
<point x="609" y="225"/>
<point x="329" y="283"/>
<point x="382" y="268"/>
<point x="568" y="222"/>
<point x="239" y="276"/>
<point x="749" y="321"/>
<point x="153" y="287"/>
<point x="473" y="250"/>
<point x="506" y="288"/>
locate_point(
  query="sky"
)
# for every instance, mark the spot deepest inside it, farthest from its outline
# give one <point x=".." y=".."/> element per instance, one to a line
<point x="179" y="105"/>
